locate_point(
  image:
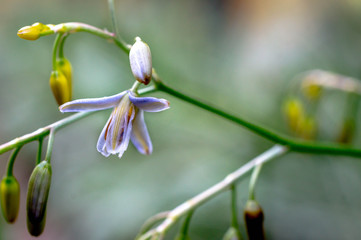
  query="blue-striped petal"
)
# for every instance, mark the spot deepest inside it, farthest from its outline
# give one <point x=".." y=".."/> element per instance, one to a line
<point x="140" y="136"/>
<point x="91" y="104"/>
<point x="149" y="104"/>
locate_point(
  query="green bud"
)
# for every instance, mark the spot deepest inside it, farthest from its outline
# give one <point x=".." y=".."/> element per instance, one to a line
<point x="10" y="198"/>
<point x="232" y="234"/>
<point x="38" y="191"/>
<point x="253" y="216"/>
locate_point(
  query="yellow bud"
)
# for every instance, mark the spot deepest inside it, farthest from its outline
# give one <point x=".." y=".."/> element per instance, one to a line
<point x="33" y="32"/>
<point x="29" y="33"/>
<point x="10" y="198"/>
<point x="64" y="66"/>
<point x="294" y="112"/>
<point x="37" y="198"/>
<point x="60" y="87"/>
<point x="312" y="91"/>
<point x="307" y="128"/>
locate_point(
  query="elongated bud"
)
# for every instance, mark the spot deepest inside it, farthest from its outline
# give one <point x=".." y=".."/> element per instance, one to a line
<point x="141" y="61"/>
<point x="34" y="31"/>
<point x="347" y="131"/>
<point x="294" y="113"/>
<point x="232" y="234"/>
<point x="63" y="65"/>
<point x="311" y="89"/>
<point x="37" y="198"/>
<point x="60" y="87"/>
<point x="10" y="198"/>
<point x="253" y="216"/>
<point x="307" y="128"/>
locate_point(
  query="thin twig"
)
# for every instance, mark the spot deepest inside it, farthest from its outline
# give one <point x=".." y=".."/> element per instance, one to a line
<point x="213" y="191"/>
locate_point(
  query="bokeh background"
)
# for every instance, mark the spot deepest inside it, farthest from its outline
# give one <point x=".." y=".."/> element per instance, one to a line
<point x="240" y="55"/>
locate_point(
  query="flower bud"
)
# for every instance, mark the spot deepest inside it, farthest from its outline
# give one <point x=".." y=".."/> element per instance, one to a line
<point x="141" y="61"/>
<point x="64" y="66"/>
<point x="232" y="234"/>
<point x="294" y="112"/>
<point x="37" y="197"/>
<point x="33" y="32"/>
<point x="10" y="198"/>
<point x="60" y="87"/>
<point x="253" y="216"/>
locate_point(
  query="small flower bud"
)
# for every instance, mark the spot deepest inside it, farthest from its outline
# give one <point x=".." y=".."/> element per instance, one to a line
<point x="33" y="32"/>
<point x="294" y="113"/>
<point x="10" y="198"/>
<point x="253" y="216"/>
<point x="232" y="234"/>
<point x="141" y="61"/>
<point x="37" y="197"/>
<point x="29" y="33"/>
<point x="64" y="66"/>
<point x="60" y="87"/>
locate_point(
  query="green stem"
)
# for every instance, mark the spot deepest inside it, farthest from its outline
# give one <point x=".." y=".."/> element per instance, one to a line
<point x="213" y="191"/>
<point x="184" y="230"/>
<point x="252" y="183"/>
<point x="11" y="162"/>
<point x="234" y="209"/>
<point x="55" y="49"/>
<point x="40" y="149"/>
<point x="234" y="206"/>
<point x="61" y="46"/>
<point x="151" y="222"/>
<point x="112" y="16"/>
<point x="50" y="145"/>
<point x="293" y="144"/>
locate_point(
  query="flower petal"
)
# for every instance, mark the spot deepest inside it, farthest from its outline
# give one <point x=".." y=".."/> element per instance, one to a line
<point x="149" y="104"/>
<point x="140" y="136"/>
<point x="91" y="104"/>
<point x="101" y="140"/>
<point x="118" y="129"/>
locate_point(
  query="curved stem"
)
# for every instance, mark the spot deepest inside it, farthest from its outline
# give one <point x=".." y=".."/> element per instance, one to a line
<point x="151" y="222"/>
<point x="50" y="145"/>
<point x="55" y="49"/>
<point x="112" y="16"/>
<point x="11" y="162"/>
<point x="184" y="230"/>
<point x="61" y="46"/>
<point x="293" y="144"/>
<point x="73" y="27"/>
<point x="40" y="149"/>
<point x="213" y="191"/>
<point x="252" y="182"/>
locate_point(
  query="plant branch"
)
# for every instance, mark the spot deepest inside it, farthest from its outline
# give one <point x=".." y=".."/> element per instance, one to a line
<point x="213" y="191"/>
<point x="293" y="144"/>
<point x="44" y="131"/>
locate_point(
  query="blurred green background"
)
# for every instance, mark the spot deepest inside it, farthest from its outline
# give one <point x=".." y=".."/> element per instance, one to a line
<point x="237" y="54"/>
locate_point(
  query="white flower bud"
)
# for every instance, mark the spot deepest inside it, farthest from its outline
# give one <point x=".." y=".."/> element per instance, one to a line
<point x="141" y="61"/>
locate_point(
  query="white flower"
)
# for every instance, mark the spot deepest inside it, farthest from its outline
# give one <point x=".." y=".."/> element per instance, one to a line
<point x="125" y="123"/>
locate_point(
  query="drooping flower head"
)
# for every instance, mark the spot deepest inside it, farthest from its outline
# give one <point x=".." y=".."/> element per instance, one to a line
<point x="125" y="123"/>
